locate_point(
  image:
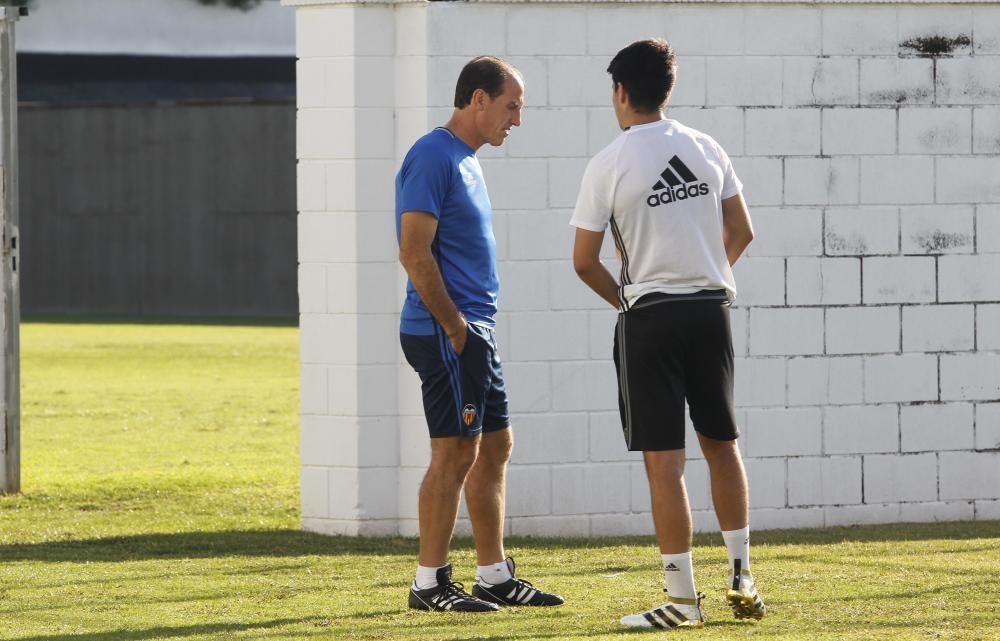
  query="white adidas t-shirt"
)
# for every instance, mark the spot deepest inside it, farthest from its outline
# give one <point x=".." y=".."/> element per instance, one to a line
<point x="660" y="186"/>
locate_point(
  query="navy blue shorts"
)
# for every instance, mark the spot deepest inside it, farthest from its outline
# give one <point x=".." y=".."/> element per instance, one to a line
<point x="464" y="394"/>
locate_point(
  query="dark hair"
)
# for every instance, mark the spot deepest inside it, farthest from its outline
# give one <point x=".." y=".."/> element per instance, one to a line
<point x="647" y="69"/>
<point x="484" y="72"/>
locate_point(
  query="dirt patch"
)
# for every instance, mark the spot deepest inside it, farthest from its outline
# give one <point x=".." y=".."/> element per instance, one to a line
<point x="935" y="45"/>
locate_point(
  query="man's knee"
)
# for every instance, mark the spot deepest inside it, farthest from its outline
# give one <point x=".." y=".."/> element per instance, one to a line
<point x="453" y="457"/>
<point x="495" y="448"/>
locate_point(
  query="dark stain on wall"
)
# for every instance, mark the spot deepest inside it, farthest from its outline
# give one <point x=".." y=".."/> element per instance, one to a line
<point x="935" y="45"/>
<point x="938" y="241"/>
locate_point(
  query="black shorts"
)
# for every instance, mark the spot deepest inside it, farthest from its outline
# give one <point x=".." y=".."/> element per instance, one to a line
<point x="669" y="348"/>
<point x="463" y="394"/>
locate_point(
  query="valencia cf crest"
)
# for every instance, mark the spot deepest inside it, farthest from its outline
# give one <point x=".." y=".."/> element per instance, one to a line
<point x="469" y="414"/>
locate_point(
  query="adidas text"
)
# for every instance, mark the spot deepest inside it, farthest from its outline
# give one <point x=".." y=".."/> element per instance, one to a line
<point x="681" y="192"/>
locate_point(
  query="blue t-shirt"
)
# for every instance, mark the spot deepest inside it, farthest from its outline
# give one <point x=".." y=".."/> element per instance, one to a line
<point x="441" y="176"/>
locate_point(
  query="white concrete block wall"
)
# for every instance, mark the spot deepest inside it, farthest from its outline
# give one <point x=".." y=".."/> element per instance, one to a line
<point x="867" y="330"/>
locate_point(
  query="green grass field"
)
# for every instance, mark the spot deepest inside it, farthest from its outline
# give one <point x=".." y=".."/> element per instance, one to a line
<point x="160" y="502"/>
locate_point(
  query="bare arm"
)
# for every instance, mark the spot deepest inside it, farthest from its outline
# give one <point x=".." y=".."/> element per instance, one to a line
<point x="590" y="269"/>
<point x="417" y="230"/>
<point x="737" y="230"/>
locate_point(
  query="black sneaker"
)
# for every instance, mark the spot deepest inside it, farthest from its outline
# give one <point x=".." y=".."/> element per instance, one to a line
<point x="514" y="592"/>
<point x="447" y="595"/>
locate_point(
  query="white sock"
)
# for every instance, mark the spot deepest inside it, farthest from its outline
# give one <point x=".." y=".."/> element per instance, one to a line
<point x="738" y="548"/>
<point x="679" y="574"/>
<point x="426" y="577"/>
<point x="493" y="574"/>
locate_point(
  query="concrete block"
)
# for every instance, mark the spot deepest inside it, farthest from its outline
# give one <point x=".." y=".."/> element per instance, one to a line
<point x="327" y="237"/>
<point x="783" y="132"/>
<point x="859" y="30"/>
<point x="516" y="184"/>
<point x="312" y="389"/>
<point x="363" y="494"/>
<point x="528" y="386"/>
<point x="363" y="288"/>
<point x="609" y="29"/>
<point x="861" y="231"/>
<point x="453" y="29"/>
<point x="414" y="445"/>
<point x="988" y="327"/>
<point x="529" y="490"/>
<point x="862" y="330"/>
<point x="565" y="176"/>
<point x="760" y="281"/>
<point x="343" y="30"/>
<point x="590" y="385"/>
<point x="932" y="427"/>
<point x="783" y="31"/>
<point x="822" y="381"/>
<point x="354" y="442"/>
<point x="934" y="229"/>
<point x="689" y="89"/>
<point x="834" y="480"/>
<point x="907" y="377"/>
<point x="602" y="128"/>
<point x="698" y="484"/>
<point x="860" y="429"/>
<point x="312" y="288"/>
<point x="986" y="38"/>
<point x="535" y="72"/>
<point x="787" y="232"/>
<point x="897" y="81"/>
<point x="969" y="475"/>
<point x="820" y="81"/>
<point x="896" y="478"/>
<point x="968" y="180"/>
<point x="591" y="488"/>
<point x="549" y="132"/>
<point x="567" y="291"/>
<point x="622" y="525"/>
<point x="967" y="81"/>
<point x="550" y="438"/>
<point x="561" y="526"/>
<point x="787" y="331"/>
<point x="987" y="426"/>
<point x="824" y="281"/>
<point x="362" y="390"/>
<point x="935" y="130"/>
<point x="897" y="179"/>
<point x="694" y="29"/>
<point x="987" y="510"/>
<point x="739" y="327"/>
<point x="970" y="377"/>
<point x="821" y="181"/>
<point x="530" y="31"/>
<point x="761" y="178"/>
<point x="539" y="235"/>
<point x="969" y="278"/>
<point x="785" y="432"/>
<point x="938" y="328"/>
<point x="724" y="124"/>
<point x="538" y="336"/>
<point x="986" y="130"/>
<point x="786" y="518"/>
<point x="602" y="333"/>
<point x="937" y="512"/>
<point x="315" y="489"/>
<point x="409" y="492"/>
<point x="760" y="382"/>
<point x="898" y="279"/>
<point x="524" y="286"/>
<point x="704" y="521"/>
<point x="859" y="131"/>
<point x="917" y="24"/>
<point x="861" y="514"/>
<point x="743" y="81"/>
<point x="767" y="481"/>
<point x="311" y="186"/>
<point x="988" y="229"/>
<point x="639" y="488"/>
<point x="607" y="441"/>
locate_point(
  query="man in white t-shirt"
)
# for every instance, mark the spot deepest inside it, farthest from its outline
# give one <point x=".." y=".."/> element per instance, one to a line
<point x="679" y="222"/>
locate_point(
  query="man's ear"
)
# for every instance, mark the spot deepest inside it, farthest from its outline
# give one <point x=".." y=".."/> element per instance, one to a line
<point x="479" y="99"/>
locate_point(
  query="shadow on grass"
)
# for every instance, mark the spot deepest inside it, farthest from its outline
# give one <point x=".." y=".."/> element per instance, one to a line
<point x="252" y="321"/>
<point x="164" y="632"/>
<point x="296" y="543"/>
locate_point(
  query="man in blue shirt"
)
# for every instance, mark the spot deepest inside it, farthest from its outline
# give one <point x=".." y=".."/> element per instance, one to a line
<point x="444" y="225"/>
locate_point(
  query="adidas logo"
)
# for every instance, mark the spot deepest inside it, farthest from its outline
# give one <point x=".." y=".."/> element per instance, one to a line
<point x="677" y="183"/>
<point x="670" y="567"/>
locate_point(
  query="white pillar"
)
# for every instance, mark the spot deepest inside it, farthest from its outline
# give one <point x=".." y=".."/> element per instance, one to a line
<point x="348" y="274"/>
